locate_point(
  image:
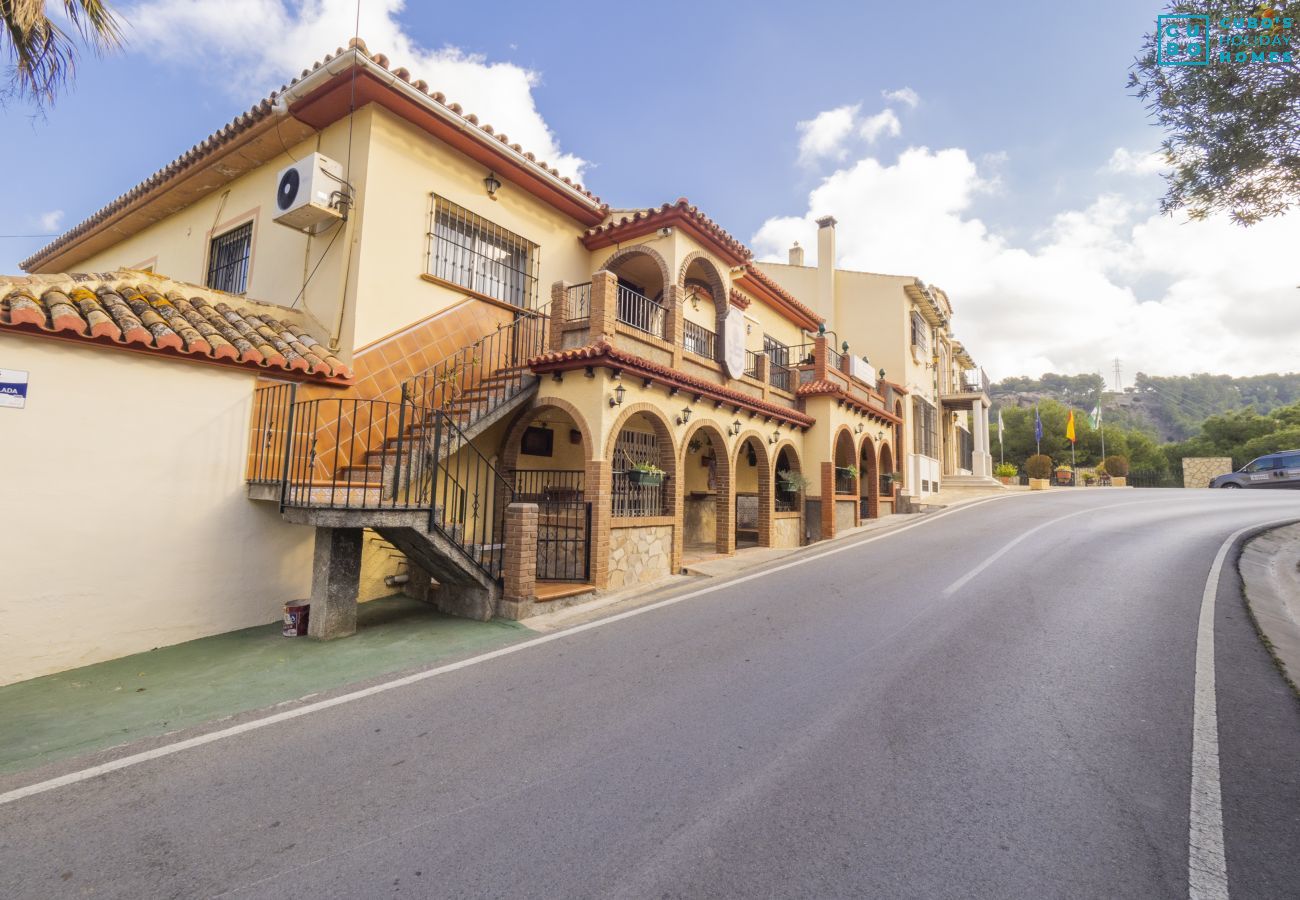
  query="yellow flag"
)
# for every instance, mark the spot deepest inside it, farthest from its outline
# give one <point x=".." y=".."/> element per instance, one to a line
<point x="1069" y="428"/>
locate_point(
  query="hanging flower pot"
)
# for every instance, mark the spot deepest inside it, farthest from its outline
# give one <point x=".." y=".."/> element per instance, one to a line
<point x="645" y="475"/>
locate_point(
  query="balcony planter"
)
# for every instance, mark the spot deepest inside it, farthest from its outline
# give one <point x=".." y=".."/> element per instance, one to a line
<point x="1039" y="484"/>
<point x="645" y="477"/>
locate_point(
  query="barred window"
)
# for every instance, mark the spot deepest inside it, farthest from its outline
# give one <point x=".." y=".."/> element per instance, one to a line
<point x="925" y="429"/>
<point x="228" y="257"/>
<point x="468" y="250"/>
<point x="920" y="335"/>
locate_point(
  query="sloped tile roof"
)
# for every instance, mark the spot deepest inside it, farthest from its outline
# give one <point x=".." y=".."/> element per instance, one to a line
<point x="603" y="350"/>
<point x="626" y="224"/>
<point x="146" y="312"/>
<point x="823" y="388"/>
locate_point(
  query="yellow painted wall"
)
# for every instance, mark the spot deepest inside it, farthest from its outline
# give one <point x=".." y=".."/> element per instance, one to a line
<point x="130" y="526"/>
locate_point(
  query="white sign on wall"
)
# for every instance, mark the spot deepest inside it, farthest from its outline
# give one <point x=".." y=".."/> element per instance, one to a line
<point x="733" y="342"/>
<point x="13" y="388"/>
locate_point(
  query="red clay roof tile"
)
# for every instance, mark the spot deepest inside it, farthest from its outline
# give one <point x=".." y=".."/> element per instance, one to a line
<point x="129" y="308"/>
<point x="644" y="221"/>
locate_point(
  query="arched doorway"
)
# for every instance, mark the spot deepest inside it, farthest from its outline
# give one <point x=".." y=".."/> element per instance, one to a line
<point x="789" y="485"/>
<point x="544" y="459"/>
<point x="846" y="464"/>
<point x="643" y="281"/>
<point x="887" y="469"/>
<point x="869" y="479"/>
<point x="706" y="493"/>
<point x="753" y="490"/>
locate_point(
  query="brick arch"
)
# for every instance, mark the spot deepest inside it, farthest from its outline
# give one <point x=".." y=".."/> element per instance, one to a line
<point x="717" y="286"/>
<point x="724" y="535"/>
<point x="665" y="272"/>
<point x="869" y="476"/>
<point x="663" y="429"/>
<point x="787" y="444"/>
<point x="509" y="453"/>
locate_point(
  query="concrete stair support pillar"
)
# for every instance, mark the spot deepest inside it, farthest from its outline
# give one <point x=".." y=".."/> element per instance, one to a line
<point x="335" y="579"/>
<point x="520" y="562"/>
<point x="981" y="459"/>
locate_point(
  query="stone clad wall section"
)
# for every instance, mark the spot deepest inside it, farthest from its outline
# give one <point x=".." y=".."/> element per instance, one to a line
<point x="1198" y="470"/>
<point x="785" y="532"/>
<point x="639" y="554"/>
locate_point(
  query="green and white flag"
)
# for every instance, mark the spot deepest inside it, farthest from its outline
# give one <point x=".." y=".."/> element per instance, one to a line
<point x="1094" y="418"/>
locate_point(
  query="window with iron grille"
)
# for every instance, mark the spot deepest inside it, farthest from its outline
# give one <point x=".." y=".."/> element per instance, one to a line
<point x="920" y="334"/>
<point x="468" y="250"/>
<point x="925" y="429"/>
<point x="228" y="257"/>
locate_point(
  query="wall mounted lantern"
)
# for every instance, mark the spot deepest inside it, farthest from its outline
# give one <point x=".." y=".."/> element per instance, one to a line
<point x="685" y="416"/>
<point x="776" y="436"/>
<point x="493" y="184"/>
<point x="617" y="399"/>
<point x="735" y="427"/>
<point x="859" y="428"/>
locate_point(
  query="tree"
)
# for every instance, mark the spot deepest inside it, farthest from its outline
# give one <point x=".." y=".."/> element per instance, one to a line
<point x="43" y="57"/>
<point x="1232" y="129"/>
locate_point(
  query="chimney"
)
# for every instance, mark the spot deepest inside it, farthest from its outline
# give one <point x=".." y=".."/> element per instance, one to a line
<point x="796" y="255"/>
<point x="826" y="267"/>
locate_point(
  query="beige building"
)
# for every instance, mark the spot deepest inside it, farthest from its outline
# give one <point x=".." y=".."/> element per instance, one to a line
<point x="460" y="368"/>
<point x="902" y="328"/>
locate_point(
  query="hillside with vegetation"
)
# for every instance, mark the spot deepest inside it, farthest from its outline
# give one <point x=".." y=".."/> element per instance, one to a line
<point x="1167" y="408"/>
<point x="1155" y="424"/>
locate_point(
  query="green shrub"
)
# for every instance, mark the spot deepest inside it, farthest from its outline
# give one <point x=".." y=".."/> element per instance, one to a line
<point x="1115" y="466"/>
<point x="1039" y="466"/>
<point x="1005" y="470"/>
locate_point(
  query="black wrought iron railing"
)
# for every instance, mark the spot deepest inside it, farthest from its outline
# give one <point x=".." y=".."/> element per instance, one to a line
<point x="564" y="541"/>
<point x="268" y="432"/>
<point x="378" y="455"/>
<point x="834" y="359"/>
<point x="845" y="482"/>
<point x="779" y="376"/>
<point x="636" y="497"/>
<point x="578" y="302"/>
<point x="477" y="379"/>
<point x="640" y="312"/>
<point x="698" y="339"/>
<point x="751" y="363"/>
<point x="801" y="355"/>
<point x="548" y="485"/>
<point x="785" y="501"/>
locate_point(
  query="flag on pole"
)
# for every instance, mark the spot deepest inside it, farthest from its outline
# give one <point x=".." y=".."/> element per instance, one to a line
<point x="1094" y="417"/>
<point x="1000" y="425"/>
<point x="1038" y="426"/>
<point x="1069" y="428"/>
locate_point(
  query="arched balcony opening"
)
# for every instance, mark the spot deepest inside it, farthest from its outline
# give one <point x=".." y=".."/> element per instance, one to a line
<point x="641" y="301"/>
<point x="704" y="308"/>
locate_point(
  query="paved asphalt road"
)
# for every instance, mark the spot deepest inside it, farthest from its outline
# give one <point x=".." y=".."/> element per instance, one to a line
<point x="848" y="727"/>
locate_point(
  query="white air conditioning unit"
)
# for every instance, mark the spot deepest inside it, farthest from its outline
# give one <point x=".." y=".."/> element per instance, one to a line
<point x="308" y="193"/>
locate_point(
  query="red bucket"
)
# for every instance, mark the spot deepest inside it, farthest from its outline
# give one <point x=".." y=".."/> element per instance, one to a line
<point x="295" y="619"/>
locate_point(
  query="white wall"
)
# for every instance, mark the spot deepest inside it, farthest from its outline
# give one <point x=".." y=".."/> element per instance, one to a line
<point x="125" y="516"/>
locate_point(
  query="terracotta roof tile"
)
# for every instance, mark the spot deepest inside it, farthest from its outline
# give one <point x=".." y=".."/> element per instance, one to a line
<point x="602" y="350"/>
<point x="823" y="388"/>
<point x="144" y="311"/>
<point x="643" y="221"/>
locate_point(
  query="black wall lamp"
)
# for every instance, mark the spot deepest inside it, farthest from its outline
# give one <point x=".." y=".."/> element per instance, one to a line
<point x="735" y="427"/>
<point x="685" y="416"/>
<point x="493" y="184"/>
<point x="617" y="399"/>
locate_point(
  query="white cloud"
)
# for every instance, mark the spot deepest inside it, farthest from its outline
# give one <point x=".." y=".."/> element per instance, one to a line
<point x="1129" y="162"/>
<point x="904" y="95"/>
<point x="1111" y="279"/>
<point x="882" y="123"/>
<point x="50" y="221"/>
<point x="824" y="136"/>
<point x="253" y="46"/>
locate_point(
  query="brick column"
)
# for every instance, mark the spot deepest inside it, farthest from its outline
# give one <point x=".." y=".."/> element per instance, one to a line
<point x="599" y="493"/>
<point x="604" y="305"/>
<point x="673" y="322"/>
<point x="335" y="580"/>
<point x="828" y="497"/>
<point x="520" y="589"/>
<point x="765" y="374"/>
<point x="820" y="358"/>
<point x="559" y="314"/>
<point x="726" y="512"/>
<point x="766" y="506"/>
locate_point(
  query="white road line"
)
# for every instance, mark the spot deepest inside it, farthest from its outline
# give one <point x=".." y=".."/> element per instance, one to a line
<point x="1207" y="868"/>
<point x="965" y="579"/>
<point x="244" y="727"/>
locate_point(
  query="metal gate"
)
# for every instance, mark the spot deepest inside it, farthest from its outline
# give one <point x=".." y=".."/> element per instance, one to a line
<point x="564" y="540"/>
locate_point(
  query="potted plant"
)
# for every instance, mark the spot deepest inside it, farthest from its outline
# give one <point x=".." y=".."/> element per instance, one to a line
<point x="1039" y="470"/>
<point x="1064" y="474"/>
<point x="1089" y="479"/>
<point x="1117" y="468"/>
<point x="851" y="471"/>
<point x="1006" y="473"/>
<point x="789" y="482"/>
<point x="645" y="474"/>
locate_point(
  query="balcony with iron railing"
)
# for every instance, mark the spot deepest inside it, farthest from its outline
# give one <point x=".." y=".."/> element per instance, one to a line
<point x="638" y="311"/>
<point x="698" y="340"/>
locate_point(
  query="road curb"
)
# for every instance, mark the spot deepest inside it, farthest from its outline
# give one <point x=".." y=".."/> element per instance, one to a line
<point x="1269" y="565"/>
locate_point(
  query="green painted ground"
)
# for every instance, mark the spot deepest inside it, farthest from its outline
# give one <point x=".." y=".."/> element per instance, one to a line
<point x="110" y="703"/>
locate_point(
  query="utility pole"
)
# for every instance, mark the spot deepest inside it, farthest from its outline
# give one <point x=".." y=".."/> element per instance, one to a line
<point x="1119" y="384"/>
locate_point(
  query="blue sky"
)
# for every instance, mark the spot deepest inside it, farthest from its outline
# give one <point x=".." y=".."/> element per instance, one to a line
<point x="1017" y="179"/>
